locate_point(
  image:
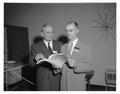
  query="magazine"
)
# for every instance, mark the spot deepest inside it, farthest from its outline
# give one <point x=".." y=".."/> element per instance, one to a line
<point x="55" y="59"/>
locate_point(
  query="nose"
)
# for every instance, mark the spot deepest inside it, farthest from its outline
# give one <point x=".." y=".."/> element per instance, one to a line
<point x="68" y="32"/>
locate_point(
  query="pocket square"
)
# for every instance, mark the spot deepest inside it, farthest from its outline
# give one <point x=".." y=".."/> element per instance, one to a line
<point x="55" y="52"/>
<point x="76" y="49"/>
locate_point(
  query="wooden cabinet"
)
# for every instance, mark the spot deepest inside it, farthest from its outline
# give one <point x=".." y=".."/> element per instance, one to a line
<point x="17" y="43"/>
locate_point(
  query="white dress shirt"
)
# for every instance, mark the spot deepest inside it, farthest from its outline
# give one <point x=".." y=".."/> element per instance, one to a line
<point x="51" y="43"/>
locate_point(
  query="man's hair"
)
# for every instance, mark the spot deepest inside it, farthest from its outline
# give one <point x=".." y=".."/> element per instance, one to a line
<point x="73" y="22"/>
<point x="45" y="26"/>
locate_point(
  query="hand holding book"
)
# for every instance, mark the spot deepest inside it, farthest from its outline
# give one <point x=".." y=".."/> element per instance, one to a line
<point x="39" y="56"/>
<point x="56" y="60"/>
<point x="71" y="63"/>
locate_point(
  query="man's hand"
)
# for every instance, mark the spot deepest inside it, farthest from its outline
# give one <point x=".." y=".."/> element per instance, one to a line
<point x="71" y="63"/>
<point x="39" y="56"/>
<point x="54" y="66"/>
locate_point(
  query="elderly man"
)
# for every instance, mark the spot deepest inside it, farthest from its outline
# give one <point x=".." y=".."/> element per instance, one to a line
<point x="79" y="61"/>
<point x="46" y="80"/>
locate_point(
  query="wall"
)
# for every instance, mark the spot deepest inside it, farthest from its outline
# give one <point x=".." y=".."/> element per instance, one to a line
<point x="35" y="15"/>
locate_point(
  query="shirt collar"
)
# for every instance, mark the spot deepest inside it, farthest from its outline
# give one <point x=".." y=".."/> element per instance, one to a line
<point x="46" y="43"/>
<point x="75" y="41"/>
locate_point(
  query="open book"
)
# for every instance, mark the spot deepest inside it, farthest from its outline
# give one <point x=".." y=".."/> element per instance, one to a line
<point x="55" y="59"/>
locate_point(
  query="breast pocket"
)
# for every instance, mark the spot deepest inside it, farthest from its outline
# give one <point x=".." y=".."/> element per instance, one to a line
<point x="77" y="56"/>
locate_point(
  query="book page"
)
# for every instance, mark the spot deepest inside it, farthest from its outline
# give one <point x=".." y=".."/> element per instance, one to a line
<point x="55" y="59"/>
<point x="58" y="60"/>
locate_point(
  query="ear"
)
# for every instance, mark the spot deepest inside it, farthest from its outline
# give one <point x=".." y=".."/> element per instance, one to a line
<point x="77" y="30"/>
<point x="41" y="33"/>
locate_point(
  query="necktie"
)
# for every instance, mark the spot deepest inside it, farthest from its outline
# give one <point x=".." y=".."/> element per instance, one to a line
<point x="49" y="48"/>
<point x="70" y="48"/>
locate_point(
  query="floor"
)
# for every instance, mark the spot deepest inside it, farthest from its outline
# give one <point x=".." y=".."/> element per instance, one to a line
<point x="24" y="86"/>
<point x="27" y="72"/>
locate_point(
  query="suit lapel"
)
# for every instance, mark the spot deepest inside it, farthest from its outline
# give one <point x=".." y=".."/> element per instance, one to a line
<point x="77" y="46"/>
<point x="45" y="49"/>
<point x="66" y="50"/>
<point x="54" y="45"/>
<point x="44" y="45"/>
<point x="76" y="49"/>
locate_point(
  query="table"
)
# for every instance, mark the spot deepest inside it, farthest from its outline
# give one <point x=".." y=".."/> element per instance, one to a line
<point x="12" y="73"/>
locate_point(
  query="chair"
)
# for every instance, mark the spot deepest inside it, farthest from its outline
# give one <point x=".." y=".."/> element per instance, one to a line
<point x="110" y="78"/>
<point x="88" y="77"/>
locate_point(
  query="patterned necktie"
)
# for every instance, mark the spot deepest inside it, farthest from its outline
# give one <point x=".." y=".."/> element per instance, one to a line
<point x="49" y="48"/>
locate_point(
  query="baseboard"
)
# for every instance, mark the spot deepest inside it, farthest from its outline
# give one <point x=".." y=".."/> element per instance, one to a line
<point x="93" y="87"/>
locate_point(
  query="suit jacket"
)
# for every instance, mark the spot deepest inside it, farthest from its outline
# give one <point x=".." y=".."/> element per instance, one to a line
<point x="45" y="78"/>
<point x="74" y="79"/>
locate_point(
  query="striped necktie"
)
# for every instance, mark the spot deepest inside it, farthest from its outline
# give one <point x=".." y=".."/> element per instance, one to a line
<point x="49" y="48"/>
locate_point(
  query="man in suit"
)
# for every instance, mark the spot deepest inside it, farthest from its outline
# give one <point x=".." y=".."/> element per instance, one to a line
<point x="79" y="61"/>
<point x="46" y="79"/>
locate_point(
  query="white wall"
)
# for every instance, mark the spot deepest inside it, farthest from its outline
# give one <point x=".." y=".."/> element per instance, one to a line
<point x="34" y="16"/>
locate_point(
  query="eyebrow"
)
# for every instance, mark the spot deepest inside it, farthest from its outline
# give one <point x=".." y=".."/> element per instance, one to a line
<point x="50" y="31"/>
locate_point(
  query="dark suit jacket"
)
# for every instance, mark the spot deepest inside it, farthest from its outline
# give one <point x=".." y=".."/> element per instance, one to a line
<point x="45" y="78"/>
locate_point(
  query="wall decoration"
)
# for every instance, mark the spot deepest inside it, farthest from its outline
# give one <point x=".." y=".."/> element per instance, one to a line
<point x="105" y="26"/>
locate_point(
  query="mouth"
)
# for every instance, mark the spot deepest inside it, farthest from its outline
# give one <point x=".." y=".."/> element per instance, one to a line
<point x="69" y="36"/>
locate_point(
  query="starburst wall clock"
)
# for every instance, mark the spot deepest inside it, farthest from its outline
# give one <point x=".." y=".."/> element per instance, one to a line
<point x="105" y="26"/>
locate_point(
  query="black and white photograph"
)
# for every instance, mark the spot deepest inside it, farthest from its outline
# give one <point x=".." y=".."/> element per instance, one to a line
<point x="59" y="46"/>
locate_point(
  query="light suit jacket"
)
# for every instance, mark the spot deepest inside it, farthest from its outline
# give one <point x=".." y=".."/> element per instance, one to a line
<point x="74" y="79"/>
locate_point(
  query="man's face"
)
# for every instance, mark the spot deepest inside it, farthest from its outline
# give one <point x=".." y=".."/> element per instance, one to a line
<point x="47" y="33"/>
<point x="71" y="31"/>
